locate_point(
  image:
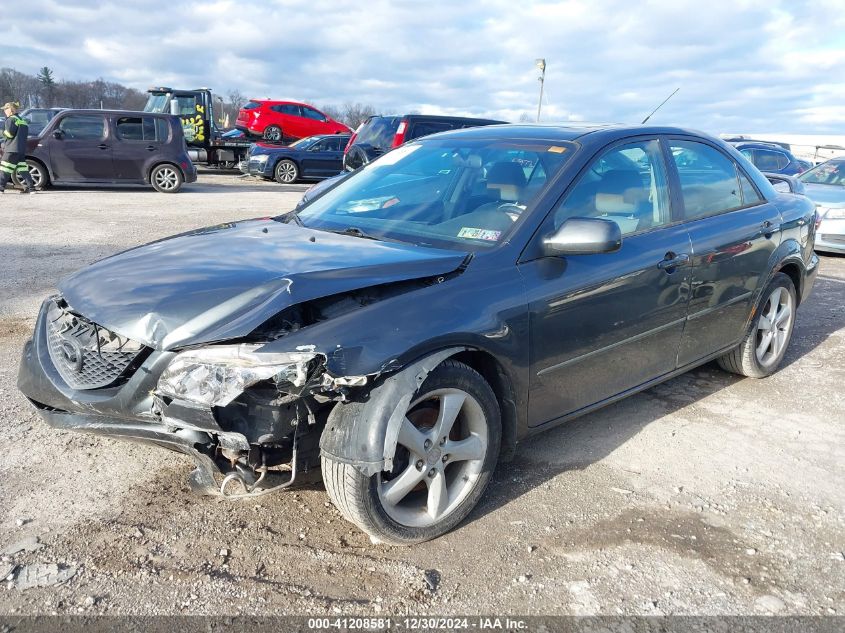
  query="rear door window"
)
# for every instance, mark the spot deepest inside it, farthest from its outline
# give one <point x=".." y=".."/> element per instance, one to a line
<point x="137" y="128"/>
<point x="770" y="160"/>
<point x="424" y="128"/>
<point x="287" y="108"/>
<point x="83" y="127"/>
<point x="709" y="179"/>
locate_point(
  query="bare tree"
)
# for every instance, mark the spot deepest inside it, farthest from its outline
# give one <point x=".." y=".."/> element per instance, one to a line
<point x="354" y="114"/>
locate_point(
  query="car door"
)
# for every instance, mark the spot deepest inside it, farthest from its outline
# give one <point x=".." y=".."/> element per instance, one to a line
<point x="314" y="159"/>
<point x="734" y="232"/>
<point x="325" y="158"/>
<point x="313" y="121"/>
<point x="294" y="125"/>
<point x="135" y="143"/>
<point x="604" y="324"/>
<point x="81" y="149"/>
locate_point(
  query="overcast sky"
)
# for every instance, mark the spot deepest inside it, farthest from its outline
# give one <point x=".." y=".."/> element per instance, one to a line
<point x="742" y="66"/>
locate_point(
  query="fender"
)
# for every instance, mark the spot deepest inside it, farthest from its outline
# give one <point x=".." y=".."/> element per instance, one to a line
<point x="364" y="434"/>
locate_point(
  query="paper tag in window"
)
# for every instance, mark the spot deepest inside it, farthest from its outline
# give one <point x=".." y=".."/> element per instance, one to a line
<point x="557" y="149"/>
<point x="479" y="234"/>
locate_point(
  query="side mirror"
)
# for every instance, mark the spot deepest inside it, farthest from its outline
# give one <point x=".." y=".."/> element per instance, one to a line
<point x="58" y="134"/>
<point x="174" y="106"/>
<point x="583" y="236"/>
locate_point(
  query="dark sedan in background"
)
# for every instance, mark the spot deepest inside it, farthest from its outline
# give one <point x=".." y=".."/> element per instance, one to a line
<point x="312" y="158"/>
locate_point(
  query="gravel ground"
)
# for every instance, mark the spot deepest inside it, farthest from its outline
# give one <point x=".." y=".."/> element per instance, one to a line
<point x="709" y="494"/>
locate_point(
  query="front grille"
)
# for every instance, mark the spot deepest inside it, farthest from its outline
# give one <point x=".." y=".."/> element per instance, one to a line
<point x="86" y="355"/>
<point x="833" y="238"/>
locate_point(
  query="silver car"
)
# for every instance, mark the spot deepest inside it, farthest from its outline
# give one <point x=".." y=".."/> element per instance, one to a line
<point x="825" y="185"/>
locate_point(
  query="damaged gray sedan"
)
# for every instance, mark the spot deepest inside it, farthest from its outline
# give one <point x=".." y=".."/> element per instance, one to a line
<point x="401" y="331"/>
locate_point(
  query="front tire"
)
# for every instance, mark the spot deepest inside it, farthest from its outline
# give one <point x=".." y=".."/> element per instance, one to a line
<point x="166" y="179"/>
<point x="764" y="347"/>
<point x="447" y="450"/>
<point x="286" y="172"/>
<point x="38" y="173"/>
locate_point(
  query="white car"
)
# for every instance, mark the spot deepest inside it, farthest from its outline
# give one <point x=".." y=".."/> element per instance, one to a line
<point x="825" y="185"/>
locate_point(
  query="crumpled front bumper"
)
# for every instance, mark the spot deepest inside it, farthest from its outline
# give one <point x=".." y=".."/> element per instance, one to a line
<point x="124" y="411"/>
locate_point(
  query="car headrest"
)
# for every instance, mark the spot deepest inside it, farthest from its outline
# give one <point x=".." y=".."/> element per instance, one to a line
<point x="506" y="174"/>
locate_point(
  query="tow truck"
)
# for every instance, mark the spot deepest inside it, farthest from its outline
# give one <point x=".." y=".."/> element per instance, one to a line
<point x="208" y="144"/>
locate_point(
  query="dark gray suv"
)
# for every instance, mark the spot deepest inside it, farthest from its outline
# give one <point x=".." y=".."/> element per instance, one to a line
<point x="109" y="147"/>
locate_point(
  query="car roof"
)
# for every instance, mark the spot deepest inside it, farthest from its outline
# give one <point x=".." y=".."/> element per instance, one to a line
<point x="282" y="101"/>
<point x="759" y="145"/>
<point x="549" y="132"/>
<point x="121" y="112"/>
<point x="433" y="117"/>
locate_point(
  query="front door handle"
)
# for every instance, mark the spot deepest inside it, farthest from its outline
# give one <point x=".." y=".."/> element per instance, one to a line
<point x="103" y="146"/>
<point x="673" y="261"/>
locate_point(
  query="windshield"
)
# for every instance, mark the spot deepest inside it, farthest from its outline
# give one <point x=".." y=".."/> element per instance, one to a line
<point x="157" y="103"/>
<point x="303" y="143"/>
<point x="830" y="173"/>
<point x="449" y="193"/>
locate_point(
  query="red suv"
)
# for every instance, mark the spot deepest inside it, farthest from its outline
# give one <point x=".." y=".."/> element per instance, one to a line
<point x="285" y="121"/>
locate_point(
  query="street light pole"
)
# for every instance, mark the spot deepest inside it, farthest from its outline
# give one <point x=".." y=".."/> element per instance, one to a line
<point x="540" y="63"/>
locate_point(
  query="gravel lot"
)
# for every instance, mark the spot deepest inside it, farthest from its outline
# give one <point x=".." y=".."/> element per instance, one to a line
<point x="709" y="494"/>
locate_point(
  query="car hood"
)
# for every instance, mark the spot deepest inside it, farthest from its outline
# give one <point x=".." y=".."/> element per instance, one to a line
<point x="825" y="195"/>
<point x="222" y="282"/>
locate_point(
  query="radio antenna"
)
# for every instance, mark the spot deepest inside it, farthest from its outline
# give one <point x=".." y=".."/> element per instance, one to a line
<point x="660" y="106"/>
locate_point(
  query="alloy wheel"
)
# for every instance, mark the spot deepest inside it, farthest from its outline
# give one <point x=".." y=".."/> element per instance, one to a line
<point x="287" y="171"/>
<point x="166" y="178"/>
<point x="774" y="326"/>
<point x="440" y="453"/>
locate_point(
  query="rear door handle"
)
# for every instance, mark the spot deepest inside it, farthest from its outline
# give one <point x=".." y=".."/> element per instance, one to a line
<point x="151" y="148"/>
<point x="673" y="261"/>
<point x="103" y="146"/>
<point x="769" y="228"/>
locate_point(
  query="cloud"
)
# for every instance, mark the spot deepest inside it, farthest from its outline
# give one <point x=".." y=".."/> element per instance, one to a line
<point x="741" y="65"/>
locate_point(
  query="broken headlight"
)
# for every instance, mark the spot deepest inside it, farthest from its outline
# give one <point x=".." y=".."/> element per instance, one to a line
<point x="214" y="376"/>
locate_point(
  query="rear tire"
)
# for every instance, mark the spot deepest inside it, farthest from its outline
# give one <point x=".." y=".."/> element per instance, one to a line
<point x="166" y="178"/>
<point x="444" y="460"/>
<point x="273" y="133"/>
<point x="765" y="345"/>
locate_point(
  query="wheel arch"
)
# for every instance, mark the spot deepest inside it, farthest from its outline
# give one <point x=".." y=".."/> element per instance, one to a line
<point x="153" y="166"/>
<point x="792" y="270"/>
<point x="363" y="432"/>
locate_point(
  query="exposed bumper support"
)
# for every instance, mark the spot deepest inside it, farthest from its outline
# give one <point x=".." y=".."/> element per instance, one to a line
<point x="185" y="441"/>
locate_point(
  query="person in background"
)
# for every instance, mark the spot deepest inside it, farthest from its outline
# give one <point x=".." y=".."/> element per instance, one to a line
<point x="15" y="133"/>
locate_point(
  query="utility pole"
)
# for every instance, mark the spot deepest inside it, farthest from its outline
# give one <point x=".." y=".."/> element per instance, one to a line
<point x="540" y="63"/>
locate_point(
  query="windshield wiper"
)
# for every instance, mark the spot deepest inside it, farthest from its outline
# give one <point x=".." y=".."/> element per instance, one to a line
<point x="354" y="231"/>
<point x="291" y="216"/>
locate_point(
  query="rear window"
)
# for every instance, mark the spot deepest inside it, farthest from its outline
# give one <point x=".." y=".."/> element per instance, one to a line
<point x="378" y="132"/>
<point x="250" y="105"/>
